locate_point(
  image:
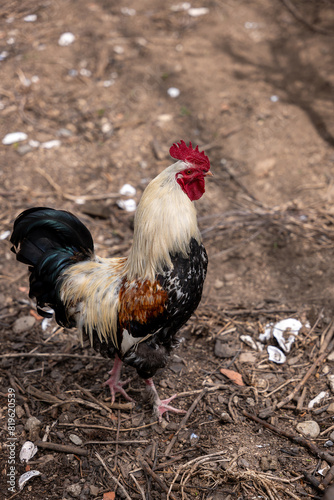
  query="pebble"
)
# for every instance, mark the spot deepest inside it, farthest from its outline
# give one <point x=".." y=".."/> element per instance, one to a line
<point x="51" y="144"/>
<point x="23" y="324"/>
<point x="218" y="284"/>
<point x="330" y="356"/>
<point x="268" y="463"/>
<point x="94" y="490"/>
<point x="66" y="39"/>
<point x="309" y="428"/>
<point x="173" y="92"/>
<point x="74" y="490"/>
<point x="23" y="149"/>
<point x="127" y="205"/>
<point x="75" y="439"/>
<point x="30" y="19"/>
<point x="247" y="357"/>
<point x="331" y="436"/>
<point x="127" y="190"/>
<point x="198" y="11"/>
<point x="14" y="137"/>
<point x="330" y="409"/>
<point x="225" y="418"/>
<point x="223" y="350"/>
<point x="33" y="426"/>
<point x="330" y="379"/>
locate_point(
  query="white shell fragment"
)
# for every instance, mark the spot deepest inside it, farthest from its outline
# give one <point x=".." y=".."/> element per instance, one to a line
<point x="127" y="190"/>
<point x="248" y="340"/>
<point x="127" y="205"/>
<point x="28" y="450"/>
<point x="66" y="39"/>
<point x="51" y="144"/>
<point x="173" y="92"/>
<point x="198" y="11"/>
<point x="26" y="477"/>
<point x="285" y="332"/>
<point x="180" y="6"/>
<point x="276" y="355"/>
<point x="315" y="401"/>
<point x="14" y="137"/>
<point x="30" y="19"/>
<point x="4" y="235"/>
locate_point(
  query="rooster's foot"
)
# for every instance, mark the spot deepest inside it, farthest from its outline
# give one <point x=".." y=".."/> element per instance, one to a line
<point x="160" y="406"/>
<point x="114" y="382"/>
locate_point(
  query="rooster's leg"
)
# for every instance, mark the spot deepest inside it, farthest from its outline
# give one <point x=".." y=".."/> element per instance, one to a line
<point x="114" y="383"/>
<point x="160" y="406"/>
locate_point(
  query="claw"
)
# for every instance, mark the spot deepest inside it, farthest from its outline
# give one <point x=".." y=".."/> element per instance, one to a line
<point x="114" y="382"/>
<point x="161" y="406"/>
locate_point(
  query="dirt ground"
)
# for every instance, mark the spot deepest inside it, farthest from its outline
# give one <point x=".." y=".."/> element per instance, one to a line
<point x="255" y="82"/>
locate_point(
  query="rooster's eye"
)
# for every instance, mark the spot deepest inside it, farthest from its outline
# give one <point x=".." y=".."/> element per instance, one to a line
<point x="188" y="172"/>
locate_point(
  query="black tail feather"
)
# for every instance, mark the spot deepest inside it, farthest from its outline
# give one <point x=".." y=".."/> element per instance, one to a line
<point x="48" y="241"/>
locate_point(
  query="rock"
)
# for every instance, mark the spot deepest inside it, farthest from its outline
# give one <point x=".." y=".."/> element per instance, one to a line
<point x="218" y="284"/>
<point x="75" y="439"/>
<point x="268" y="463"/>
<point x="74" y="490"/>
<point x="309" y="428"/>
<point x="223" y="350"/>
<point x="14" y="137"/>
<point x="19" y="411"/>
<point x="23" y="324"/>
<point x="225" y="418"/>
<point x="263" y="167"/>
<point x="33" y="426"/>
<point x="23" y="149"/>
<point x="331" y="436"/>
<point x="330" y="379"/>
<point x="247" y="357"/>
<point x="66" y="39"/>
<point x="330" y="356"/>
<point x="94" y="490"/>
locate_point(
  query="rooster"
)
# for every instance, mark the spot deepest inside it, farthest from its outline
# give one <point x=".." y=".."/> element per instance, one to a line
<point x="131" y="307"/>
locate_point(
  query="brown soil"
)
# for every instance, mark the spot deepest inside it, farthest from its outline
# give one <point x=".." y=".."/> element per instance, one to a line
<point x="256" y="92"/>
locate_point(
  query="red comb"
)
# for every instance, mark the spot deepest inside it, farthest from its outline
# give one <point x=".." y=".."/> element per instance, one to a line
<point x="181" y="151"/>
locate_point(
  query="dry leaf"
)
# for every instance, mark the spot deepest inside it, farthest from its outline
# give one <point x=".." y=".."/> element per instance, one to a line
<point x="232" y="375"/>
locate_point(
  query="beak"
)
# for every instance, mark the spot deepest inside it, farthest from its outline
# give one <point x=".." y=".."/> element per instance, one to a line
<point x="210" y="174"/>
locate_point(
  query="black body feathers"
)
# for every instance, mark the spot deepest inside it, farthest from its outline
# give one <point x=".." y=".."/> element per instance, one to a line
<point x="48" y="241"/>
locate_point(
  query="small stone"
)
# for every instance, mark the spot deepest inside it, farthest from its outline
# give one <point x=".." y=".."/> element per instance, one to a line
<point x="94" y="490"/>
<point x="330" y="409"/>
<point x="75" y="439"/>
<point x="14" y="137"/>
<point x="331" y="436"/>
<point x="247" y="357"/>
<point x="74" y="490"/>
<point x="225" y="418"/>
<point x="33" y="426"/>
<point x="23" y="149"/>
<point x="309" y="428"/>
<point x="218" y="284"/>
<point x="330" y="379"/>
<point x="268" y="463"/>
<point x="19" y="411"/>
<point x="223" y="350"/>
<point x="330" y="356"/>
<point x="23" y="324"/>
<point x="66" y="39"/>
<point x="173" y="92"/>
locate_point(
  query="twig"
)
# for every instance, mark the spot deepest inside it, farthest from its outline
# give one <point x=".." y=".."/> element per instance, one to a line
<point x="93" y="398"/>
<point x="112" y="476"/>
<point x="138" y="486"/>
<point x="49" y="355"/>
<point x="134" y="441"/>
<point x="156" y="478"/>
<point x="281" y="387"/>
<point x="185" y="419"/>
<point x="62" y="448"/>
<point x="105" y="428"/>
